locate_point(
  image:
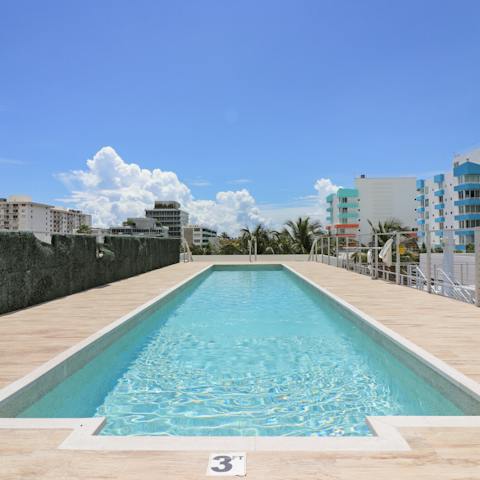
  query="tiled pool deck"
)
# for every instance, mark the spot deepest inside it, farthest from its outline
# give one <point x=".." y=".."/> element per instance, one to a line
<point x="448" y="329"/>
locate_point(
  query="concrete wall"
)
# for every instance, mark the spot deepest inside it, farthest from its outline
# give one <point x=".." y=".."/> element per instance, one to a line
<point x="33" y="272"/>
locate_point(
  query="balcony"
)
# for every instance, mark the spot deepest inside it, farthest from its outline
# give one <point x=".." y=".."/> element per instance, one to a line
<point x="467" y="168"/>
<point x="467" y="186"/>
<point x="419" y="198"/>
<point x="467" y="216"/>
<point x="439" y="178"/>
<point x="467" y="201"/>
<point x="439" y="193"/>
<point x="464" y="232"/>
<point x="420" y="221"/>
<point x="347" y="192"/>
<point x="346" y="216"/>
<point x="439" y="206"/>
<point x="440" y="219"/>
<point x="346" y="225"/>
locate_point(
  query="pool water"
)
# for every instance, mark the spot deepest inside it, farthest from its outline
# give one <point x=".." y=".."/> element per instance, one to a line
<point x="243" y="351"/>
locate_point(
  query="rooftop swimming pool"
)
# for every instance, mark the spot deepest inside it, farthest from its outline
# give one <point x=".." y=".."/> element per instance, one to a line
<point x="247" y="351"/>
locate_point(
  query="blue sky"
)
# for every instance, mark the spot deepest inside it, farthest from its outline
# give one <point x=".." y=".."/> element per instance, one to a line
<point x="267" y="96"/>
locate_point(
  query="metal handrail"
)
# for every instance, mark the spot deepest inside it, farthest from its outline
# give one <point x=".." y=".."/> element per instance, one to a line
<point x="252" y="247"/>
<point x="440" y="283"/>
<point x="459" y="291"/>
<point x="187" y="255"/>
<point x="314" y="250"/>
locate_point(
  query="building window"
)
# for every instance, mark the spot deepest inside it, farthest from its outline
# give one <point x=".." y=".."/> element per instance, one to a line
<point x="469" y="178"/>
<point x="464" y="194"/>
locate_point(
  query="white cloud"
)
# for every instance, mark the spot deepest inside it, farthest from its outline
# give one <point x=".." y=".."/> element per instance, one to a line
<point x="11" y="161"/>
<point x="112" y="190"/>
<point x="199" y="183"/>
<point x="324" y="187"/>
<point x="239" y="181"/>
<point x="228" y="212"/>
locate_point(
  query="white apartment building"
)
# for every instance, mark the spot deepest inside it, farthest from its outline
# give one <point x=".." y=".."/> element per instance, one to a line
<point x="19" y="212"/>
<point x="451" y="202"/>
<point x="66" y="220"/>
<point x="199" y="236"/>
<point x="169" y="214"/>
<point x="372" y="200"/>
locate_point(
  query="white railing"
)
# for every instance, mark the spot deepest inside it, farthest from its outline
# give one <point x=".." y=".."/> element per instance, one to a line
<point x="349" y="253"/>
<point x="313" y="256"/>
<point x="187" y="253"/>
<point x="449" y="288"/>
<point x="252" y="248"/>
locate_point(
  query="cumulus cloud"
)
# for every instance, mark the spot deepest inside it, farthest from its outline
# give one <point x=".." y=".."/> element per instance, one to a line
<point x="112" y="190"/>
<point x="324" y="187"/>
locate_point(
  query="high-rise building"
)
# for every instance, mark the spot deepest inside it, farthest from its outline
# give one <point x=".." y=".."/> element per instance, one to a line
<point x="21" y="213"/>
<point x="350" y="210"/>
<point x="451" y="202"/>
<point x="169" y="214"/>
<point x="199" y="236"/>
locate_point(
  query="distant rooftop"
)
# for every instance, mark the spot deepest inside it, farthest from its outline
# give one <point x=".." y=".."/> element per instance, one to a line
<point x="167" y="204"/>
<point x="20" y="198"/>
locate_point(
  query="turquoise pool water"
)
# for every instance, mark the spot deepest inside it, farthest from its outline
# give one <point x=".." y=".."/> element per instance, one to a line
<point x="243" y="351"/>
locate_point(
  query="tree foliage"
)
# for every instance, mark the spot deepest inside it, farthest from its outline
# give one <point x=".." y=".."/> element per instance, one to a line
<point x="84" y="229"/>
<point x="296" y="237"/>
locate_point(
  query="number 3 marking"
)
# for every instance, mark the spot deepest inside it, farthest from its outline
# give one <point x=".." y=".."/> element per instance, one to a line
<point x="225" y="461"/>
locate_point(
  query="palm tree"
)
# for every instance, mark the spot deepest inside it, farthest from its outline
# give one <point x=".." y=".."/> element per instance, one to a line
<point x="264" y="236"/>
<point x="388" y="226"/>
<point x="408" y="241"/>
<point x="302" y="233"/>
<point x="245" y="237"/>
<point x="282" y="242"/>
<point x="230" y="247"/>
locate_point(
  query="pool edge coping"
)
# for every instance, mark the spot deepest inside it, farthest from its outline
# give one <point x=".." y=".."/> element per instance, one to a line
<point x="468" y="385"/>
<point x="17" y="385"/>
<point x="386" y="435"/>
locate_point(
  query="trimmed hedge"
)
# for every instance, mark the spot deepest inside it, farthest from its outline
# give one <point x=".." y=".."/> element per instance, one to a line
<point x="32" y="272"/>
